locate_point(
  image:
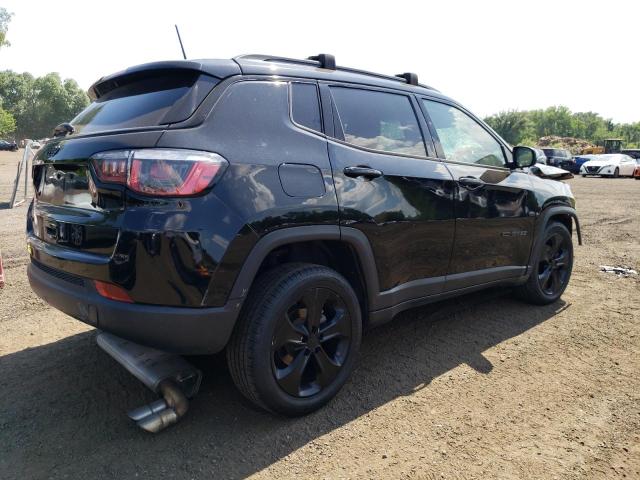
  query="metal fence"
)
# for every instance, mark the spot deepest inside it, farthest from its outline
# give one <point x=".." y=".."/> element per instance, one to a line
<point x="23" y="166"/>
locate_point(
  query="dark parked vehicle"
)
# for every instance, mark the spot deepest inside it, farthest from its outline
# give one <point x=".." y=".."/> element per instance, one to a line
<point x="276" y="208"/>
<point x="632" y="152"/>
<point x="10" y="146"/>
<point x="561" y="158"/>
<point x="540" y="156"/>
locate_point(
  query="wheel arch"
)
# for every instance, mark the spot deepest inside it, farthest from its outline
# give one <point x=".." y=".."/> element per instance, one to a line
<point x="563" y="214"/>
<point x="345" y="250"/>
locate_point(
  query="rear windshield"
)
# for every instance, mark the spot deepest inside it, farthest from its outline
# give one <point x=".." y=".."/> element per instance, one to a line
<point x="145" y="102"/>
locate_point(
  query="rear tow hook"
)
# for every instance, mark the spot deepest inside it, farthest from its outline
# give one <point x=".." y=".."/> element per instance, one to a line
<point x="167" y="374"/>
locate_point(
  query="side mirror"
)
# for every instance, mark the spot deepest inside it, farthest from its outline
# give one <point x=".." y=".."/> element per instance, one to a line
<point x="524" y="157"/>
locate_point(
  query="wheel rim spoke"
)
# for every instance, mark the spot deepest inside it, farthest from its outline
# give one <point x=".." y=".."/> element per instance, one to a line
<point x="556" y="280"/>
<point x="335" y="327"/>
<point x="314" y="299"/>
<point x="289" y="334"/>
<point x="543" y="278"/>
<point x="561" y="259"/>
<point x="290" y="378"/>
<point x="555" y="244"/>
<point x="328" y="369"/>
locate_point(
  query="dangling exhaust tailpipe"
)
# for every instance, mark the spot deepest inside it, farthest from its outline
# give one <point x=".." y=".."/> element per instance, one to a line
<point x="169" y="375"/>
<point x="160" y="414"/>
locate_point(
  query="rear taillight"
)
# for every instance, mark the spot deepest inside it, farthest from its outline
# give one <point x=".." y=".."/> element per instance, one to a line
<point x="111" y="167"/>
<point x="164" y="172"/>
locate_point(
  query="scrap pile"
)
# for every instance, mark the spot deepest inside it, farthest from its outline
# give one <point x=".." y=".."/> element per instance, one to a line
<point x="574" y="145"/>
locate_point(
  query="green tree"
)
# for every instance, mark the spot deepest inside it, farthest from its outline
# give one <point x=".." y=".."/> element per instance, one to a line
<point x="5" y="18"/>
<point x="39" y="104"/>
<point x="552" y="121"/>
<point x="7" y="123"/>
<point x="528" y="126"/>
<point x="512" y="125"/>
<point x="586" y="124"/>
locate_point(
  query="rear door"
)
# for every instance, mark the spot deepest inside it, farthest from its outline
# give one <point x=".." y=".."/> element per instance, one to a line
<point x="391" y="187"/>
<point x="494" y="221"/>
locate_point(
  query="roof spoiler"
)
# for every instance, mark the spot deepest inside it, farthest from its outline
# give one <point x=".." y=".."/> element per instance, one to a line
<point x="216" y="68"/>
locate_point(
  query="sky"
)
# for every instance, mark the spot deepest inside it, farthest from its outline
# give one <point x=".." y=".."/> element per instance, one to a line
<point x="489" y="55"/>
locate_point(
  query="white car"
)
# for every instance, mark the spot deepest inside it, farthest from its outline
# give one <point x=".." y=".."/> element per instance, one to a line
<point x="609" y="165"/>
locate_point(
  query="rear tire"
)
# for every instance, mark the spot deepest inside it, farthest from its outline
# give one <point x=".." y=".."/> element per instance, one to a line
<point x="616" y="173"/>
<point x="552" y="265"/>
<point x="297" y="339"/>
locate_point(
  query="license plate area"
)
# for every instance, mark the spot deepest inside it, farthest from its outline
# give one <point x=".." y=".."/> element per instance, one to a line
<point x="65" y="185"/>
<point x="64" y="233"/>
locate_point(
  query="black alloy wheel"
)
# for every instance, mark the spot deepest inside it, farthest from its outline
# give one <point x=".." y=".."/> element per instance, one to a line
<point x="311" y="342"/>
<point x="297" y="338"/>
<point x="553" y="265"/>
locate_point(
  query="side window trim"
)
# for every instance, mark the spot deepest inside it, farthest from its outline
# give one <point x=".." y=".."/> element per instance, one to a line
<point x="327" y="110"/>
<point x="290" y="97"/>
<point x="337" y="135"/>
<point x="427" y="137"/>
<point x="436" y="139"/>
<point x="432" y="129"/>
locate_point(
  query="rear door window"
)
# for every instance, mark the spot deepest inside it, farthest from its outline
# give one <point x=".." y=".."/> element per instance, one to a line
<point x="378" y="121"/>
<point x="305" y="106"/>
<point x="145" y="102"/>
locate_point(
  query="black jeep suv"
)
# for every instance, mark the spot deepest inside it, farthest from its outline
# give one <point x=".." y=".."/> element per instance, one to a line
<point x="276" y="207"/>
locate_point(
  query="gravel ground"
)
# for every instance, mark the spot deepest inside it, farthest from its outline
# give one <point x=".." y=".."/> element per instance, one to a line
<point x="479" y="387"/>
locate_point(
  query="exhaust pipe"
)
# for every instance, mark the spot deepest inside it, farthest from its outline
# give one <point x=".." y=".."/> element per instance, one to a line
<point x="168" y="375"/>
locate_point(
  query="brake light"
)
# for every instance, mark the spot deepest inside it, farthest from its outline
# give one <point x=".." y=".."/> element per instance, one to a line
<point x="111" y="167"/>
<point x="111" y="291"/>
<point x="164" y="172"/>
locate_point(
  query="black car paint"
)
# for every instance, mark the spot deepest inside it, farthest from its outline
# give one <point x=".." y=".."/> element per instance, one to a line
<point x="425" y="236"/>
<point x="8" y="146"/>
<point x="561" y="158"/>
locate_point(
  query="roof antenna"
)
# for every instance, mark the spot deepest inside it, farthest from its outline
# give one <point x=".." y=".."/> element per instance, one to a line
<point x="180" y="40"/>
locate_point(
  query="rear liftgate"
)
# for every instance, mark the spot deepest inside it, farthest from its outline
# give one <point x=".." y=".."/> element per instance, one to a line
<point x="168" y="375"/>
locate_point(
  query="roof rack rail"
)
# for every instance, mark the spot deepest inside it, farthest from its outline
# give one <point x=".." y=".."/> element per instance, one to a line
<point x="326" y="60"/>
<point x="409" y="77"/>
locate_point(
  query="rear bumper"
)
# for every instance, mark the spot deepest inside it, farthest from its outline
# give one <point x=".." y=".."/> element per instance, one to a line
<point x="175" y="329"/>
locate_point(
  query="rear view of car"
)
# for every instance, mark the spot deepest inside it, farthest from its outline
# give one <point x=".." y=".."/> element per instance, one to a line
<point x="561" y="158"/>
<point x="114" y="229"/>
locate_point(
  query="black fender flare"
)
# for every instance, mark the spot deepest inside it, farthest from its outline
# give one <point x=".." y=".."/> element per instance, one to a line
<point x="543" y="220"/>
<point x="554" y="210"/>
<point x="289" y="235"/>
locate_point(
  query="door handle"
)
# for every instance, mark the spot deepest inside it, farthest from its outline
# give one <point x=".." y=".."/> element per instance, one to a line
<point x="362" y="171"/>
<point x="471" y="183"/>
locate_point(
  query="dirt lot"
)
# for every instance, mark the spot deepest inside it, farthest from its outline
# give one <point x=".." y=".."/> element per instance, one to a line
<point x="483" y="387"/>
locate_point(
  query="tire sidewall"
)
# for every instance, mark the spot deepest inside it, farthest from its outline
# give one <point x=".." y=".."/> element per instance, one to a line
<point x="266" y="385"/>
